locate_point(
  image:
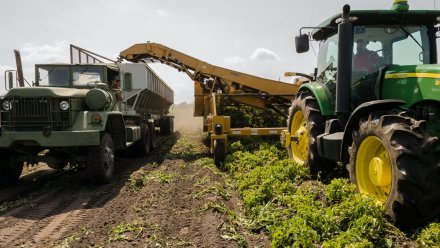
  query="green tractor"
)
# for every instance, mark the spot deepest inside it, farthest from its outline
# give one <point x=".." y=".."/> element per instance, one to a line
<point x="374" y="106"/>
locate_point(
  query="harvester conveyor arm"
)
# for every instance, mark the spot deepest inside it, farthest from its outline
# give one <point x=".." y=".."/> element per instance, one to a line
<point x="199" y="70"/>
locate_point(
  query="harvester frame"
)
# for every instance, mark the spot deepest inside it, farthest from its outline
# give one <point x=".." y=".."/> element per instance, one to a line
<point x="213" y="85"/>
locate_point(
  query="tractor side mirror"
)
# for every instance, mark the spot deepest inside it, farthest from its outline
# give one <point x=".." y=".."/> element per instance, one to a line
<point x="302" y="43"/>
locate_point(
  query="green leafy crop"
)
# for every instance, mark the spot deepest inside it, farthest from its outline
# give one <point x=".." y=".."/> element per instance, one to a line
<point x="280" y="198"/>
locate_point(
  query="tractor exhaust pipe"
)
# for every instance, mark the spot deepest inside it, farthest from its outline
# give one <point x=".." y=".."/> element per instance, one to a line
<point x="343" y="79"/>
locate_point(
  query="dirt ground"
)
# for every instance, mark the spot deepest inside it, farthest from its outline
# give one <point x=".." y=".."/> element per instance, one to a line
<point x="175" y="197"/>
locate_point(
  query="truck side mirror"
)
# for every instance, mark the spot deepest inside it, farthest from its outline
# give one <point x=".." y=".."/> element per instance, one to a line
<point x="10" y="80"/>
<point x="302" y="43"/>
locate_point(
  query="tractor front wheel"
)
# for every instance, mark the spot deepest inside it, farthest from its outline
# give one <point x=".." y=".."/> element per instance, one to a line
<point x="305" y="123"/>
<point x="392" y="159"/>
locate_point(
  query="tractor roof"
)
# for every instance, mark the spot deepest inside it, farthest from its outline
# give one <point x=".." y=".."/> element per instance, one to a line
<point x="379" y="17"/>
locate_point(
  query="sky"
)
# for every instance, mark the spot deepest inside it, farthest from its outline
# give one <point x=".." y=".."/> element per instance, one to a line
<point x="251" y="36"/>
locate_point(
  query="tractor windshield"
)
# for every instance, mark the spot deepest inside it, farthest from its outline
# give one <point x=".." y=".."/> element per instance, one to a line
<point x="377" y="46"/>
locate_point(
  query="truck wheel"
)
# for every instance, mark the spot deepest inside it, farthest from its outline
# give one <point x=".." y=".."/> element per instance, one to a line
<point x="152" y="135"/>
<point x="392" y="159"/>
<point x="141" y="147"/>
<point x="10" y="169"/>
<point x="101" y="160"/>
<point x="219" y="153"/>
<point x="305" y="123"/>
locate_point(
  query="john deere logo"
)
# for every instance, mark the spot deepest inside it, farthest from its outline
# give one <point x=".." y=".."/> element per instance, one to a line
<point x="437" y="82"/>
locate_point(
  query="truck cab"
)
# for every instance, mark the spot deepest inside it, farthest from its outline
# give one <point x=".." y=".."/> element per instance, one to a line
<point x="82" y="114"/>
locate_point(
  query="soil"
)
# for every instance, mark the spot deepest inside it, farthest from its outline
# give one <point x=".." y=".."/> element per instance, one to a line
<point x="175" y="197"/>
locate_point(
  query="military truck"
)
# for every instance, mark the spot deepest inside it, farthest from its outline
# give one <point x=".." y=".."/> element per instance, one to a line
<point x="74" y="114"/>
<point x="382" y="120"/>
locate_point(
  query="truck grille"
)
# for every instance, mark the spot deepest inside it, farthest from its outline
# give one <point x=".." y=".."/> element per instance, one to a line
<point x="35" y="112"/>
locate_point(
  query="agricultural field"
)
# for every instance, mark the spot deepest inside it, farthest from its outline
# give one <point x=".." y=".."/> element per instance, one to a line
<point x="177" y="197"/>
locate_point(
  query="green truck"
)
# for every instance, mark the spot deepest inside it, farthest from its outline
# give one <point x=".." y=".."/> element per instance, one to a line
<point x="373" y="104"/>
<point x="82" y="114"/>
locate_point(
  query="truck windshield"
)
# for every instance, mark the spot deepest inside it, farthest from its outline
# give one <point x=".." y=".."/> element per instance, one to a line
<point x="53" y="76"/>
<point x="84" y="75"/>
<point x="65" y="76"/>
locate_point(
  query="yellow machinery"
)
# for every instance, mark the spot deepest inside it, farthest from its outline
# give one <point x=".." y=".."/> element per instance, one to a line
<point x="215" y="86"/>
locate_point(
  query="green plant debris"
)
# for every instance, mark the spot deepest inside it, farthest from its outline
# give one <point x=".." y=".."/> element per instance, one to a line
<point x="209" y="162"/>
<point x="228" y="232"/>
<point x="218" y="190"/>
<point x="125" y="231"/>
<point x="281" y="199"/>
<point x="218" y="207"/>
<point x="186" y="148"/>
<point x="430" y="236"/>
<point x="22" y="202"/>
<point x="65" y="243"/>
<point x="137" y="182"/>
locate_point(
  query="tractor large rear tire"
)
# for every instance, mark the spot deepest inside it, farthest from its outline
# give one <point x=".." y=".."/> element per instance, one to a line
<point x="306" y="123"/>
<point x="393" y="159"/>
<point x="10" y="168"/>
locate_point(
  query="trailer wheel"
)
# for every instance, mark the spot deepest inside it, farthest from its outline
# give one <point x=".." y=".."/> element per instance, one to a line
<point x="219" y="153"/>
<point x="57" y="166"/>
<point x="394" y="160"/>
<point x="164" y="126"/>
<point x="10" y="169"/>
<point x="152" y="136"/>
<point x="101" y="160"/>
<point x="143" y="146"/>
<point x="171" y="125"/>
<point x="305" y="123"/>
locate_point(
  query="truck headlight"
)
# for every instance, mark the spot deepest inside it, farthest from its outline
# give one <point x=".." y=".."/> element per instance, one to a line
<point x="6" y="105"/>
<point x="64" y="105"/>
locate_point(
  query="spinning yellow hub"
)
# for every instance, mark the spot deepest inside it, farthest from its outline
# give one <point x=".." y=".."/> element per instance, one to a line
<point x="299" y="143"/>
<point x="373" y="169"/>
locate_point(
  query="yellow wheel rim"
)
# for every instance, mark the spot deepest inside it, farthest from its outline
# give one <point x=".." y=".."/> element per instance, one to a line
<point x="373" y="169"/>
<point x="299" y="144"/>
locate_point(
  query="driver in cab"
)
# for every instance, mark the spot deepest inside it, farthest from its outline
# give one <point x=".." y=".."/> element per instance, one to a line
<point x="364" y="59"/>
<point x="365" y="62"/>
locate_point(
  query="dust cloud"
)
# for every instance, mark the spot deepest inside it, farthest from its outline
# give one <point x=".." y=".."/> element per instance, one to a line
<point x="184" y="119"/>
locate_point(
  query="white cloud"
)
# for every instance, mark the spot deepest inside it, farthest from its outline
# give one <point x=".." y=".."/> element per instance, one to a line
<point x="4" y="68"/>
<point x="46" y="53"/>
<point x="234" y="60"/>
<point x="264" y="54"/>
<point x="161" y="12"/>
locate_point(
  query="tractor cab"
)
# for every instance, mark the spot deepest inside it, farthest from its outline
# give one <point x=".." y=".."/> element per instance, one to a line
<point x="379" y="41"/>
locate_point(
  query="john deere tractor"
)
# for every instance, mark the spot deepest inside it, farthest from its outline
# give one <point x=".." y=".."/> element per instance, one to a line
<point x="374" y="106"/>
